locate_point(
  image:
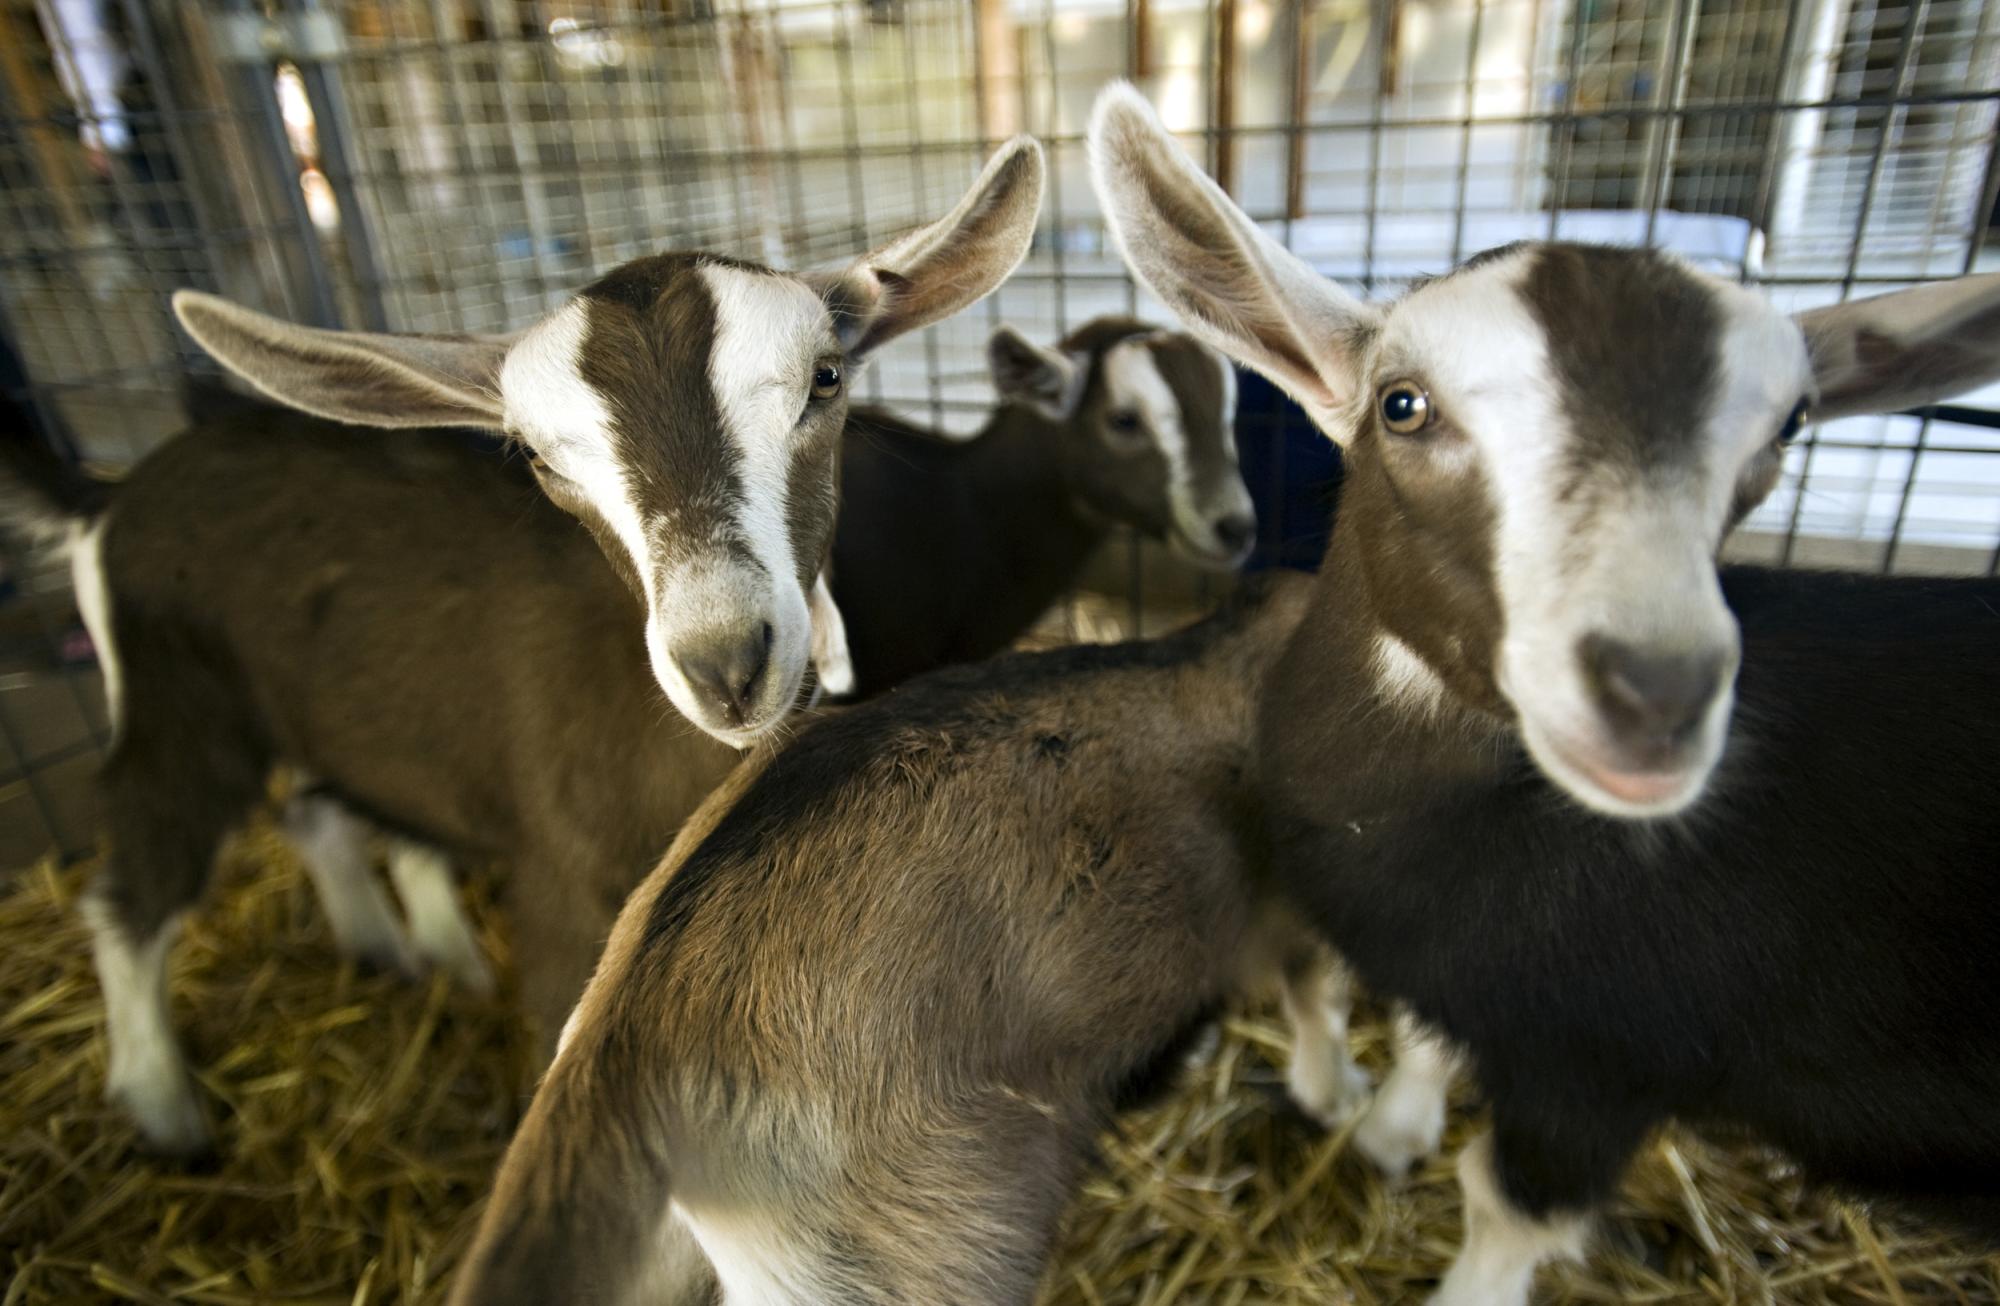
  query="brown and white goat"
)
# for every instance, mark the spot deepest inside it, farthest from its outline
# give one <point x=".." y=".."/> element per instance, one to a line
<point x="948" y="549"/>
<point x="1648" y="839"/>
<point x="438" y="647"/>
<point x="688" y="409"/>
<point x="855" y="1037"/>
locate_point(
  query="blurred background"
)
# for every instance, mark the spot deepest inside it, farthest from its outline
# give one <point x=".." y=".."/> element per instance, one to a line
<point x="462" y="164"/>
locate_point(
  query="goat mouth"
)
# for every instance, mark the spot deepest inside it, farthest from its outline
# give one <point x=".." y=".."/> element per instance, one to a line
<point x="1208" y="556"/>
<point x="1617" y="785"/>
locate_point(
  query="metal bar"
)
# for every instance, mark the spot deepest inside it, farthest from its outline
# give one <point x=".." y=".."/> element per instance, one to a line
<point x="1222" y="118"/>
<point x="1387" y="33"/>
<point x="1057" y="268"/>
<point x="146" y="47"/>
<point x="329" y="108"/>
<point x="850" y="125"/>
<point x="1989" y="195"/>
<point x="527" y="156"/>
<point x="30" y="777"/>
<point x="1913" y="20"/>
<point x="256" y="80"/>
<point x="1566" y="139"/>
<point x="553" y="79"/>
<point x="913" y="121"/>
<point x="1465" y="132"/>
<point x="1774" y="140"/>
<point x="1664" y="133"/>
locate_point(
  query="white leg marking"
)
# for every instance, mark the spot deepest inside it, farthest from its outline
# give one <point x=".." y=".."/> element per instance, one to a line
<point x="93" y="604"/>
<point x="146" y="1076"/>
<point x="1322" y="1076"/>
<point x="1406" y="1120"/>
<point x="1496" y="1267"/>
<point x="333" y="843"/>
<point x="438" y="927"/>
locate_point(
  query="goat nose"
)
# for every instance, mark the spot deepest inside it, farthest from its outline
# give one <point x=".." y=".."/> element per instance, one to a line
<point x="1654" y="699"/>
<point x="1235" y="531"/>
<point x="724" y="667"/>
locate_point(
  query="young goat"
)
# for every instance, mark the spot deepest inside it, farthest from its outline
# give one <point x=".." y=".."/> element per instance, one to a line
<point x="855" y="1037"/>
<point x="688" y="409"/>
<point x="253" y="606"/>
<point x="1648" y="840"/>
<point x="948" y="549"/>
<point x="411" y="623"/>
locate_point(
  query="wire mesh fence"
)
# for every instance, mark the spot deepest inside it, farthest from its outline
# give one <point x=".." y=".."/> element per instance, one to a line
<point x="461" y="164"/>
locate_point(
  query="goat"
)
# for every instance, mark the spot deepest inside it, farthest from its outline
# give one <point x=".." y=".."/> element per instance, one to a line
<point x="437" y="646"/>
<point x="853" y="1039"/>
<point x="948" y="549"/>
<point x="220" y="588"/>
<point x="687" y="408"/>
<point x="1644" y="837"/>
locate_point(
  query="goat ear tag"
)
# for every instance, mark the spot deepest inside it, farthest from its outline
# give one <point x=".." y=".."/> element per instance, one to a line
<point x="829" y="641"/>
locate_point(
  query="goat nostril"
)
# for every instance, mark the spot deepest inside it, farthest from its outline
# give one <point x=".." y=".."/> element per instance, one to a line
<point x="726" y="669"/>
<point x="1661" y="697"/>
<point x="1234" y="532"/>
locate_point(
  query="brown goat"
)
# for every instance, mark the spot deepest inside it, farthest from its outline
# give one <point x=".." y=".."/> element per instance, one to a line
<point x="854" y="1038"/>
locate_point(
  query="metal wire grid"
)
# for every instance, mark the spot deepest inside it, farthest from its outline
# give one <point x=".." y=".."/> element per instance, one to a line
<point x="460" y="164"/>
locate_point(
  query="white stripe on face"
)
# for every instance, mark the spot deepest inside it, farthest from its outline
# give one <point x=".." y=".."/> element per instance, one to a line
<point x="566" y="421"/>
<point x="769" y="332"/>
<point x="1133" y="380"/>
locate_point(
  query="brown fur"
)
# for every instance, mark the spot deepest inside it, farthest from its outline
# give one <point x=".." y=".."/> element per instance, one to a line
<point x="888" y="984"/>
<point x="297" y="651"/>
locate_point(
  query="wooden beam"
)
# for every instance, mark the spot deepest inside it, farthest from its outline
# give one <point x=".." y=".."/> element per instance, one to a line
<point x="999" y="71"/>
<point x="1140" y="16"/>
<point x="1296" y="143"/>
<point x="1223" y="118"/>
<point x="58" y="155"/>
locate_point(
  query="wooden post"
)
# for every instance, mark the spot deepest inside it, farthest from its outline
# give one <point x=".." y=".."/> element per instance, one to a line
<point x="1296" y="144"/>
<point x="999" y="71"/>
<point x="57" y="155"/>
<point x="1223" y="118"/>
<point x="1141" y="18"/>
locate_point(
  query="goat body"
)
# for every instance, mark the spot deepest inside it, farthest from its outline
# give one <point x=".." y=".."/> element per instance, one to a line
<point x="855" y="1036"/>
<point x="415" y="626"/>
<point x="948" y="549"/>
<point x="1771" y="959"/>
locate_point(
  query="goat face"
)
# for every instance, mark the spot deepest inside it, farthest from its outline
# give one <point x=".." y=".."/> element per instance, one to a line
<point x="687" y="408"/>
<point x="1152" y="420"/>
<point x="1546" y="449"/>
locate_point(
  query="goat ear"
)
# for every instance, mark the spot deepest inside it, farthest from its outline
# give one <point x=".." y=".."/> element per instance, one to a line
<point x="832" y="666"/>
<point x="1904" y="349"/>
<point x="352" y="376"/>
<point x="937" y="270"/>
<point x="1233" y="285"/>
<point x="1047" y="380"/>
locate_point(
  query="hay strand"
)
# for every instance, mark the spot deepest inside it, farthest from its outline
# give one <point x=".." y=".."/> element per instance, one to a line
<point x="361" y="1117"/>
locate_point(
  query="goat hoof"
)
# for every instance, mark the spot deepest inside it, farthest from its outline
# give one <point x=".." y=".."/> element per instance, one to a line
<point x="169" y="1118"/>
<point x="471" y="973"/>
<point x="1398" y="1132"/>
<point x="1331" y="1092"/>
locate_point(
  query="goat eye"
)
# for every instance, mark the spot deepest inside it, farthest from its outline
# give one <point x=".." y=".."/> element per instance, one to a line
<point x="1125" y="421"/>
<point x="1406" y="409"/>
<point x="826" y="381"/>
<point x="1793" y="423"/>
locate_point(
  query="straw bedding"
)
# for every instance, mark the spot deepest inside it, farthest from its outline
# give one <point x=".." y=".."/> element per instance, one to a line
<point x="362" y="1116"/>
